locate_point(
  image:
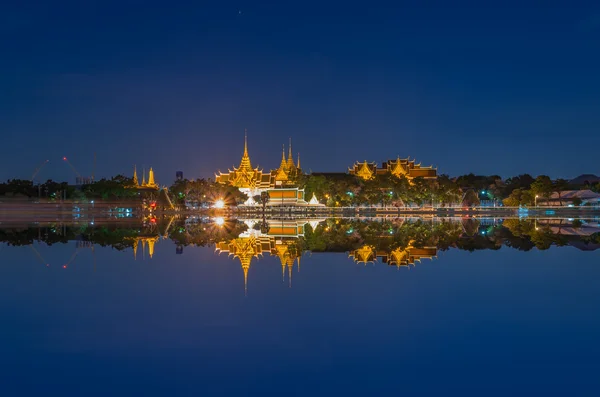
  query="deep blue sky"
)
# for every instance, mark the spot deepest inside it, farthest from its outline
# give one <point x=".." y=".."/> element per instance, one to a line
<point x="467" y="87"/>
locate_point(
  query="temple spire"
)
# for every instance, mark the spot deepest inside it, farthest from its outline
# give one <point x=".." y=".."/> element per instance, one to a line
<point x="151" y="182"/>
<point x="144" y="176"/>
<point x="245" y="164"/>
<point x="135" y="178"/>
<point x="283" y="164"/>
<point x="245" y="268"/>
<point x="290" y="160"/>
<point x="298" y="162"/>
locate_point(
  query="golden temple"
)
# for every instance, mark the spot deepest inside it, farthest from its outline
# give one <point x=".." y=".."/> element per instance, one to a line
<point x="280" y="184"/>
<point x="280" y="241"/>
<point x="399" y="168"/>
<point x="151" y="184"/>
<point x="401" y="256"/>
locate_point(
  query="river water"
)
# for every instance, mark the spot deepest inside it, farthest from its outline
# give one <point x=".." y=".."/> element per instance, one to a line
<point x="474" y="308"/>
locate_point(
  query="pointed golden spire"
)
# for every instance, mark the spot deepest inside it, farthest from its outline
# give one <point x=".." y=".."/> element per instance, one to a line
<point x="298" y="163"/>
<point x="298" y="264"/>
<point x="290" y="273"/>
<point x="245" y="164"/>
<point x="151" y="182"/>
<point x="245" y="268"/>
<point x="136" y="245"/>
<point x="283" y="164"/>
<point x="135" y="178"/>
<point x="151" y="242"/>
<point x="290" y="160"/>
<point x="144" y="176"/>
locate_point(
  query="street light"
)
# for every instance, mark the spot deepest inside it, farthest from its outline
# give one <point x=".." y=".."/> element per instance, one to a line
<point x="536" y="197"/>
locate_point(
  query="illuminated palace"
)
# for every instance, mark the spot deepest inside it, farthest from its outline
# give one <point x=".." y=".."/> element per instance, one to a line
<point x="279" y="184"/>
<point x="399" y="167"/>
<point x="280" y="240"/>
<point x="401" y="256"/>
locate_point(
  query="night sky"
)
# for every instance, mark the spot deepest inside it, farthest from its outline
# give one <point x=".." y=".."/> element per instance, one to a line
<point x="464" y="86"/>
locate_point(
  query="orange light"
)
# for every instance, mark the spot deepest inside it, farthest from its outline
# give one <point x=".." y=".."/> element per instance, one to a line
<point x="152" y="220"/>
<point x="64" y="158"/>
<point x="64" y="266"/>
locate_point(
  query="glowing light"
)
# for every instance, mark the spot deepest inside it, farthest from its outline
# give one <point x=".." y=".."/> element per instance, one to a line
<point x="219" y="221"/>
<point x="219" y="203"/>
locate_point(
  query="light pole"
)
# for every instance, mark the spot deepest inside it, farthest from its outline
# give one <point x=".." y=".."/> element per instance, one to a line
<point x="536" y="197"/>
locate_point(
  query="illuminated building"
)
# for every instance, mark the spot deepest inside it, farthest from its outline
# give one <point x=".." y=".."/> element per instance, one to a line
<point x="280" y="184"/>
<point x="151" y="184"/>
<point x="145" y="242"/>
<point x="280" y="240"/>
<point x="406" y="256"/>
<point x="399" y="167"/>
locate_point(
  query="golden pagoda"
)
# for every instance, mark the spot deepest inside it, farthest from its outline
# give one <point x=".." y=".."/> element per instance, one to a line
<point x="281" y="173"/>
<point x="135" y="177"/>
<point x="243" y="248"/>
<point x="148" y="241"/>
<point x="280" y="184"/>
<point x="398" y="167"/>
<point x="151" y="183"/>
<point x="244" y="176"/>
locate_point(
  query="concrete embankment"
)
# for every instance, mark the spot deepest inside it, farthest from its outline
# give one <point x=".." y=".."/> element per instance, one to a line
<point x="67" y="211"/>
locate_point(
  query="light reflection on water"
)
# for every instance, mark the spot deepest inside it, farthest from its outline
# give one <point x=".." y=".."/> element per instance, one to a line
<point x="393" y="307"/>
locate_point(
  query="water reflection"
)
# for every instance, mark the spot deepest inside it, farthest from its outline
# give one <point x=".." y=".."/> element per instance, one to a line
<point x="400" y="242"/>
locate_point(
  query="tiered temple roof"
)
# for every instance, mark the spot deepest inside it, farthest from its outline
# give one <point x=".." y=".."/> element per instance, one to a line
<point x="398" y="167"/>
<point x="401" y="256"/>
<point x="247" y="177"/>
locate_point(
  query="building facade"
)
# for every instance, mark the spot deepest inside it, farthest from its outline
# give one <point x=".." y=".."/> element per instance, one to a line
<point x="398" y="167"/>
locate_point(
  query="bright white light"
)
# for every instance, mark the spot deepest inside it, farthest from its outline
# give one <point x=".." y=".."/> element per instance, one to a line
<point x="219" y="221"/>
<point x="219" y="204"/>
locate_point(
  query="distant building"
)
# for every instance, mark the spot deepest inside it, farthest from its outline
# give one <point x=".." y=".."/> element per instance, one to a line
<point x="567" y="197"/>
<point x="280" y="184"/>
<point x="399" y="167"/>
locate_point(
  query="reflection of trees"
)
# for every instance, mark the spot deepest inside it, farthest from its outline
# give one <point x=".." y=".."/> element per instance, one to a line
<point x="332" y="235"/>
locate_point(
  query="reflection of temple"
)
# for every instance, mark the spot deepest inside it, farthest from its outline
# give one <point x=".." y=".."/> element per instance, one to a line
<point x="280" y="240"/>
<point x="401" y="256"/>
<point x="146" y="242"/>
<point x="150" y="184"/>
<point x="279" y="184"/>
<point x="399" y="167"/>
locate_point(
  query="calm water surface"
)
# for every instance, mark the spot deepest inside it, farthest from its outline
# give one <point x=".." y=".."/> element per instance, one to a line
<point x="489" y="322"/>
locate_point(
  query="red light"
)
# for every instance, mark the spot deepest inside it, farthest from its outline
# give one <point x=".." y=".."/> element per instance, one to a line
<point x="153" y="205"/>
<point x="64" y="158"/>
<point x="152" y="220"/>
<point x="64" y="266"/>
